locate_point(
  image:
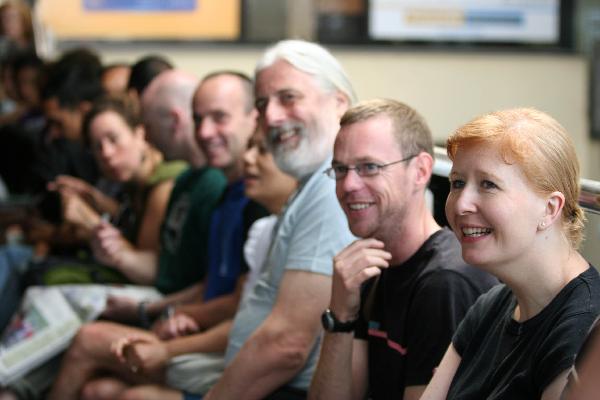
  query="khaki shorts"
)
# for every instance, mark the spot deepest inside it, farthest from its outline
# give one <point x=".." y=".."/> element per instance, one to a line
<point x="195" y="373"/>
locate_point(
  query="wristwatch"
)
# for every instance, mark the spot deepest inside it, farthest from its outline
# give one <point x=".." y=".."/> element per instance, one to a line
<point x="332" y="324"/>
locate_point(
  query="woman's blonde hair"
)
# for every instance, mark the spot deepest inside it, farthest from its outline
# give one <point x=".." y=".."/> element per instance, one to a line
<point x="543" y="150"/>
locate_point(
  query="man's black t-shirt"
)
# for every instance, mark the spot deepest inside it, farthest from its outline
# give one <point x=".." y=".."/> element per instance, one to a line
<point x="415" y="310"/>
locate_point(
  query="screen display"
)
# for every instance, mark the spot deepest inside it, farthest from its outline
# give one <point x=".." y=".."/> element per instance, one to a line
<point x="508" y="21"/>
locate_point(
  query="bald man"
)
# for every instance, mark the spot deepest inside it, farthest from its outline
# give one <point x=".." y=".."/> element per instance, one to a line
<point x="167" y="117"/>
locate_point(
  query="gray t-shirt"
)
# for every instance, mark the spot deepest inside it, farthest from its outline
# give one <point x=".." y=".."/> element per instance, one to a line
<point x="308" y="234"/>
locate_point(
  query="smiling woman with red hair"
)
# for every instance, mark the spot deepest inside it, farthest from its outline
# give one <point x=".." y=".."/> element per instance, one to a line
<point x="514" y="188"/>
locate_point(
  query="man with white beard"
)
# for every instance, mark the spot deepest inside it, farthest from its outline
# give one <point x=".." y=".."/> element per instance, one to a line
<point x="301" y="93"/>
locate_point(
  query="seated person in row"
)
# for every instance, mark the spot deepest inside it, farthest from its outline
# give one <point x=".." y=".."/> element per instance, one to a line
<point x="178" y="265"/>
<point x="301" y="93"/>
<point x="513" y="205"/>
<point x="385" y="341"/>
<point x="225" y="119"/>
<point x="156" y="360"/>
<point x="274" y="339"/>
<point x="183" y="249"/>
<point x="117" y="139"/>
<point x="143" y="72"/>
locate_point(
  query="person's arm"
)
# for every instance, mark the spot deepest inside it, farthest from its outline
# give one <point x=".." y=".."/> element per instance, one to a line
<point x="555" y="389"/>
<point x="112" y="249"/>
<point x="279" y="348"/>
<point x="98" y="200"/>
<point x="210" y="341"/>
<point x="149" y="232"/>
<point x="126" y="309"/>
<point x="442" y="378"/>
<point x="583" y="383"/>
<point x="203" y="315"/>
<point x="209" y="313"/>
<point x="140" y="266"/>
<point x="342" y="372"/>
<point x="414" y="392"/>
<point x="150" y="354"/>
<point x="138" y="262"/>
<point x="79" y="213"/>
<point x="192" y="294"/>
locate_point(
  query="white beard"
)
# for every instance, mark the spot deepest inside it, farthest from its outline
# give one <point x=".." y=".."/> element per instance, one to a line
<point x="305" y="158"/>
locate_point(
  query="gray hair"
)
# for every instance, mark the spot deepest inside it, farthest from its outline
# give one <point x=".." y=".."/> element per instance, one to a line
<point x="312" y="59"/>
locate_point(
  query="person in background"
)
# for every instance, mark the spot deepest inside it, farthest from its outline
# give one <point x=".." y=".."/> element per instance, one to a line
<point x="21" y="130"/>
<point x="16" y="28"/>
<point x="182" y="259"/>
<point x="142" y="73"/>
<point x="116" y="137"/>
<point x="16" y="36"/>
<point x="224" y="119"/>
<point x="384" y="336"/>
<point x="157" y="360"/>
<point x="8" y="91"/>
<point x="28" y="70"/>
<point x="114" y="132"/>
<point x="115" y="78"/>
<point x="72" y="84"/>
<point x="513" y="205"/>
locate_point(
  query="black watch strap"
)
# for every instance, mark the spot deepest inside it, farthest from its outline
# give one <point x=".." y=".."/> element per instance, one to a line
<point x="332" y="324"/>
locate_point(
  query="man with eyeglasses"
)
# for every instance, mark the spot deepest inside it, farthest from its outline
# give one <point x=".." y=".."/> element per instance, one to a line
<point x="400" y="291"/>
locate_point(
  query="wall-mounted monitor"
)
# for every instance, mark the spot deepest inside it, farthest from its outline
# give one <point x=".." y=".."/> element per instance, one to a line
<point x="119" y="20"/>
<point x="473" y="21"/>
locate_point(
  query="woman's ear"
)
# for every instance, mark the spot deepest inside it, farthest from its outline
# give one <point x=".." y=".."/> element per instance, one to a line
<point x="555" y="202"/>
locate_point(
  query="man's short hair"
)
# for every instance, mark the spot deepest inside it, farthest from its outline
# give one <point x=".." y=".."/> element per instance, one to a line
<point x="409" y="128"/>
<point x="74" y="78"/>
<point x="245" y="80"/>
<point x="146" y="69"/>
<point x="312" y="59"/>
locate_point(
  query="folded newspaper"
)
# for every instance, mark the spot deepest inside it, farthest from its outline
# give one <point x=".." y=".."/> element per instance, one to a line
<point x="49" y="318"/>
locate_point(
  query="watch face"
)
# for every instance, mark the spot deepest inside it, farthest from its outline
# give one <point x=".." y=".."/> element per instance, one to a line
<point x="327" y="321"/>
<point x="331" y="324"/>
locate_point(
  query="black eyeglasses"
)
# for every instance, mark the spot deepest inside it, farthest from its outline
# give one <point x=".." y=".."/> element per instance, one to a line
<point x="364" y="169"/>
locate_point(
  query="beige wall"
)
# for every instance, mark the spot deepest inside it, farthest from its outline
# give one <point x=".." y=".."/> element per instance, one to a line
<point x="447" y="88"/>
